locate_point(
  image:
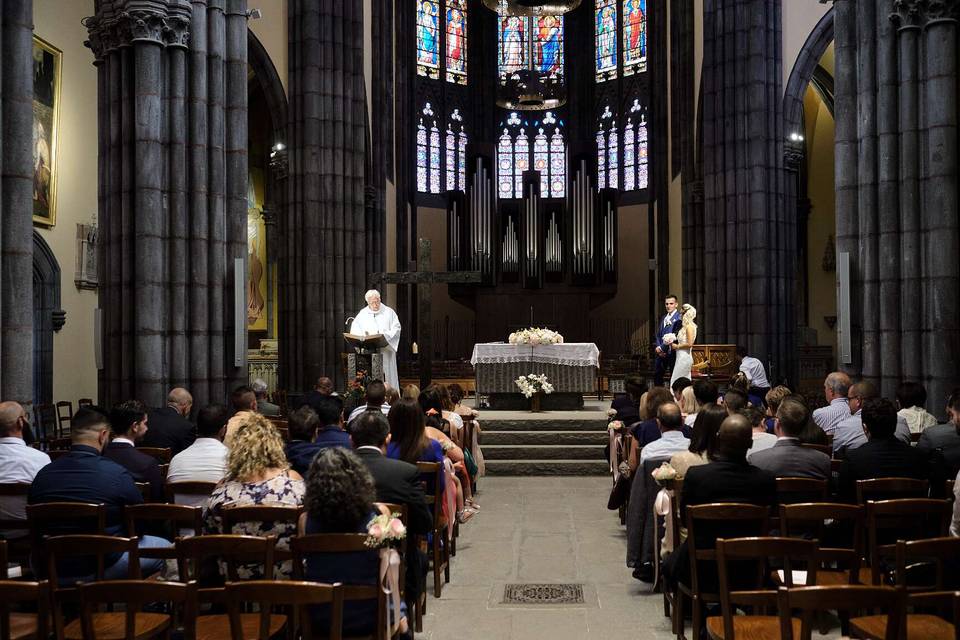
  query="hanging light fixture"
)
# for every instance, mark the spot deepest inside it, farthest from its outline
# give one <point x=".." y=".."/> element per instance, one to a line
<point x="532" y="7"/>
<point x="528" y="86"/>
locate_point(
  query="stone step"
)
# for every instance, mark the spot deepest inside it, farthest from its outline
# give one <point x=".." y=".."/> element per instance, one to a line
<point x="546" y="468"/>
<point x="544" y="437"/>
<point x="542" y="452"/>
<point x="542" y="425"/>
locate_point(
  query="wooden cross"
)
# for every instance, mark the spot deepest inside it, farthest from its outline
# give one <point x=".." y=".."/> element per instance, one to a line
<point x="423" y="277"/>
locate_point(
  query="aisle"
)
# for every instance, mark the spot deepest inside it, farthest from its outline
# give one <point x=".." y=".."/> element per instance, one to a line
<point x="544" y="530"/>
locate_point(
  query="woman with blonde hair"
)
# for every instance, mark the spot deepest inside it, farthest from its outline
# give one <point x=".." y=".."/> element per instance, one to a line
<point x="257" y="473"/>
<point x="686" y="338"/>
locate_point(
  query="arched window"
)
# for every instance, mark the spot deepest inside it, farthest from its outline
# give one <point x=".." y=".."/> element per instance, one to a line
<point x="606" y="39"/>
<point x="514" y="37"/>
<point x="456" y="153"/>
<point x="548" y="156"/>
<point x="608" y="151"/>
<point x="428" y="152"/>
<point x="634" y="36"/>
<point x="635" y="157"/>
<point x="454" y="44"/>
<point x="505" y="165"/>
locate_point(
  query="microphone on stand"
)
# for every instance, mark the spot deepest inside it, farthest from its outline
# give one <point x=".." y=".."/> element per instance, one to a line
<point x="346" y="322"/>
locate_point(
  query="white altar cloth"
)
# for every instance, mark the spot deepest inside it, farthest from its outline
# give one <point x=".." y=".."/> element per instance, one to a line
<point x="570" y="354"/>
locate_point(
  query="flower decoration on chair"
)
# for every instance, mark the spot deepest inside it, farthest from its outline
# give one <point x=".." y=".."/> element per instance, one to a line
<point x="533" y="383"/>
<point x="385" y="529"/>
<point x="535" y="336"/>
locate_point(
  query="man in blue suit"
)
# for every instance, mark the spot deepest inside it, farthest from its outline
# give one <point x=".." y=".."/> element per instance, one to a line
<point x="665" y="353"/>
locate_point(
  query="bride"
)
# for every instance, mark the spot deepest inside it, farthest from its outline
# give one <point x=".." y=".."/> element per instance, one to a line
<point x="686" y="337"/>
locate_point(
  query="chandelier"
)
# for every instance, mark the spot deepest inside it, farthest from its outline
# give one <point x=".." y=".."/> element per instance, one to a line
<point x="532" y="7"/>
<point x="530" y="90"/>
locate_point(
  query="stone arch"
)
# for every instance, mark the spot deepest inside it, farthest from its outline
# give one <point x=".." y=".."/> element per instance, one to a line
<point x="48" y="317"/>
<point x="803" y="70"/>
<point x="266" y="76"/>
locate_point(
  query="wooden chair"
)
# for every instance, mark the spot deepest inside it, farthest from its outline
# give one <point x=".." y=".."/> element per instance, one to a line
<point x="670" y="597"/>
<point x="192" y="492"/>
<point x="347" y="543"/>
<point x="890" y="488"/>
<point x="234" y="514"/>
<point x="164" y="469"/>
<point x="843" y="598"/>
<point x="15" y="625"/>
<point x="296" y="595"/>
<point x="729" y="520"/>
<point x="99" y="547"/>
<point x="45" y="422"/>
<point x="949" y="489"/>
<point x="921" y="626"/>
<point x="59" y="444"/>
<point x="839" y="565"/>
<point x="144" y="489"/>
<point x="889" y="521"/>
<point x="84" y="402"/>
<point x="11" y="529"/>
<point x="757" y="551"/>
<point x="63" y="517"/>
<point x="233" y="552"/>
<point x="133" y="623"/>
<point x="162" y="454"/>
<point x="439" y="544"/>
<point x="796" y="490"/>
<point x="64" y="415"/>
<point x="174" y="519"/>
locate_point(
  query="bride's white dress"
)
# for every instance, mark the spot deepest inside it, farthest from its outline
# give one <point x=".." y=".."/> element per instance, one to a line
<point x="683" y="368"/>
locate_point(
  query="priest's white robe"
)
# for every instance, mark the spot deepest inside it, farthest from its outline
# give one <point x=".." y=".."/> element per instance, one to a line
<point x="385" y="322"/>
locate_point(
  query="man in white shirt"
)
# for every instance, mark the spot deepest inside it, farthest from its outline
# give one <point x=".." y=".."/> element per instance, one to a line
<point x="835" y="388"/>
<point x="671" y="439"/>
<point x="376" y="396"/>
<point x="18" y="462"/>
<point x="761" y="439"/>
<point x="206" y="459"/>
<point x="753" y="368"/>
<point x="376" y="318"/>
<point x="849" y="434"/>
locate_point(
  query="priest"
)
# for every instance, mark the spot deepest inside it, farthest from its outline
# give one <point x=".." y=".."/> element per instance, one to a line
<point x="375" y="318"/>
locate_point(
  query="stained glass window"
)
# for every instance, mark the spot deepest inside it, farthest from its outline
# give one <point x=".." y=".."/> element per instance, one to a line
<point x="513" y="44"/>
<point x="629" y="158"/>
<point x="642" y="153"/>
<point x="547" y="152"/>
<point x="434" y="159"/>
<point x="421" y="157"/>
<point x="601" y="159"/>
<point x="451" y="157"/>
<point x="462" y="160"/>
<point x="558" y="165"/>
<point x="505" y="165"/>
<point x="521" y="159"/>
<point x="548" y="45"/>
<point x="456" y="41"/>
<point x="605" y="34"/>
<point x="428" y="38"/>
<point x="541" y="162"/>
<point x="634" y="36"/>
<point x="613" y="158"/>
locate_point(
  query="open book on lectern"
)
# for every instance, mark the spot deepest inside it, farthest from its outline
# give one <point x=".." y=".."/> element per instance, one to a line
<point x="371" y="342"/>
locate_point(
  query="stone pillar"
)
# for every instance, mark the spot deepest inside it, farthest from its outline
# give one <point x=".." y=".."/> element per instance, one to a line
<point x="171" y="179"/>
<point x="16" y="201"/>
<point x="325" y="224"/>
<point x="748" y="271"/>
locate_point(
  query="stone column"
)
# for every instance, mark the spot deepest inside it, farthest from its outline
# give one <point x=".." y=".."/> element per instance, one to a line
<point x="171" y="180"/>
<point x="16" y="201"/>
<point x="325" y="223"/>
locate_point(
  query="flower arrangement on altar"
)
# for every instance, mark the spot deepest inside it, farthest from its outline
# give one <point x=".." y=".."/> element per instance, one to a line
<point x="535" y="336"/>
<point x="533" y="383"/>
<point x="384" y="529"/>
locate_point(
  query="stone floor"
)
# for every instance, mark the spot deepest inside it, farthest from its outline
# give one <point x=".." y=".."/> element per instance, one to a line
<point x="544" y="530"/>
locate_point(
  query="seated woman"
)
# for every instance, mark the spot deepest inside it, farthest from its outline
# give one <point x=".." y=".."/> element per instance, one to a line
<point x="442" y="422"/>
<point x="705" y="429"/>
<point x="340" y="499"/>
<point x="257" y="473"/>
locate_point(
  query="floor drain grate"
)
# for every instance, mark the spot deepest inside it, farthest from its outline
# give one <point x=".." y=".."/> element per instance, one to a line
<point x="543" y="594"/>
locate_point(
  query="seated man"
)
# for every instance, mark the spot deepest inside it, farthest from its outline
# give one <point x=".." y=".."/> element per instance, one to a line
<point x="671" y="439"/>
<point x="83" y="475"/>
<point x="835" y="389"/>
<point x="331" y="433"/>
<point x="170" y="426"/>
<point x="850" y="434"/>
<point x="787" y="458"/>
<point x="735" y="401"/>
<point x="945" y="437"/>
<point x="18" y="462"/>
<point x="883" y="455"/>
<point x="265" y="407"/>
<point x="243" y="400"/>
<point x="761" y="439"/>
<point x="311" y="432"/>
<point x="375" y="400"/>
<point x="206" y="459"/>
<point x="128" y="421"/>
<point x="727" y="478"/>
<point x="397" y="482"/>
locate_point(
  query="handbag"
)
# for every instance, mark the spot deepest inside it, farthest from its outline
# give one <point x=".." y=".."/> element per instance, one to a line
<point x="620" y="493"/>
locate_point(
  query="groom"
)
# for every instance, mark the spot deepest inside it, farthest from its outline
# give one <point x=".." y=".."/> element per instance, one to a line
<point x="666" y="356"/>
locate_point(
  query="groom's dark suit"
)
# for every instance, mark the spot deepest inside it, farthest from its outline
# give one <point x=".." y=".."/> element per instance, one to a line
<point x="669" y="323"/>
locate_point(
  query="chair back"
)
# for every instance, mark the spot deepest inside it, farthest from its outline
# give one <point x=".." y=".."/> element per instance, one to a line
<point x="84" y="402"/>
<point x="63" y="518"/>
<point x="297" y="595"/>
<point x="794" y="490"/>
<point x="234" y="514"/>
<point x="172" y="518"/>
<point x="828" y="521"/>
<point x="725" y="520"/>
<point x="734" y="554"/>
<point x="844" y="599"/>
<point x="59" y="444"/>
<point x="37" y="594"/>
<point x="902" y="519"/>
<point x="890" y="488"/>
<point x="12" y="493"/>
<point x="914" y="555"/>
<point x="232" y="551"/>
<point x="195" y="492"/>
<point x="135" y="594"/>
<point x="64" y="416"/>
<point x="45" y="421"/>
<point x="434" y="469"/>
<point x="161" y="454"/>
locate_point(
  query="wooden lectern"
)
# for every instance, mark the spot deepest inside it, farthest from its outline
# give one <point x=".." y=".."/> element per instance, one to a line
<point x="365" y="355"/>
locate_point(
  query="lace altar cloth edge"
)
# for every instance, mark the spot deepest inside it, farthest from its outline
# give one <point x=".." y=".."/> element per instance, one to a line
<point x="570" y="354"/>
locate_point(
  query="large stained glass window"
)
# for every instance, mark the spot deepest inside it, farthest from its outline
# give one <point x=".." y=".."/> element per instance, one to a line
<point x="624" y="150"/>
<point x="548" y="45"/>
<point x="638" y="160"/>
<point x="517" y="33"/>
<point x="441" y="159"/>
<point x="513" y="44"/>
<point x="547" y="155"/>
<point x="605" y="33"/>
<point x="456" y="41"/>
<point x="634" y="36"/>
<point x="428" y="38"/>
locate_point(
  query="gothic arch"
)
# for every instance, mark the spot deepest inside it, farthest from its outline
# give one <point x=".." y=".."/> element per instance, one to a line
<point x="803" y="70"/>
<point x="267" y="77"/>
<point x="48" y="317"/>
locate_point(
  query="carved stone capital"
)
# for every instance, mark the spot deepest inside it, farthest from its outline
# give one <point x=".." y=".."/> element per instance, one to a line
<point x="280" y="163"/>
<point x="176" y="32"/>
<point x="793" y="154"/>
<point x="146" y="26"/>
<point x="906" y="13"/>
<point x="934" y="10"/>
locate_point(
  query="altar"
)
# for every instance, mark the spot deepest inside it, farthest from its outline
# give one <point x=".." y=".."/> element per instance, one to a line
<point x="570" y="367"/>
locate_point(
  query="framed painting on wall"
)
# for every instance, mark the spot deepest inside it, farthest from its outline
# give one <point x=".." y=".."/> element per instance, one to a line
<point x="47" y="61"/>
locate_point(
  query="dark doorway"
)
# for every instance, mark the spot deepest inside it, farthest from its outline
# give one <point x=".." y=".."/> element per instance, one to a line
<point x="48" y="317"/>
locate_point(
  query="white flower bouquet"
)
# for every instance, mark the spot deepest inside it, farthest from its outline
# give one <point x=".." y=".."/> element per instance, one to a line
<point x="384" y="529"/>
<point x="669" y="338"/>
<point x="533" y="383"/>
<point x="535" y="336"/>
<point x="664" y="473"/>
